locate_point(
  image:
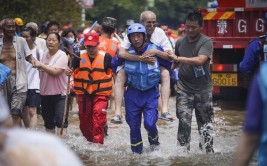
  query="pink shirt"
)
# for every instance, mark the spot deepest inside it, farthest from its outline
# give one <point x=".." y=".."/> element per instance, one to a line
<point x="54" y="85"/>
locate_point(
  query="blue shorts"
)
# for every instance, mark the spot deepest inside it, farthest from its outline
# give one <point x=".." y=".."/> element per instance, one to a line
<point x="117" y="64"/>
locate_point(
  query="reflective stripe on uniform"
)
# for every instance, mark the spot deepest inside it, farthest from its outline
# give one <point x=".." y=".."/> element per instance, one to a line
<point x="153" y="139"/>
<point x="137" y="144"/>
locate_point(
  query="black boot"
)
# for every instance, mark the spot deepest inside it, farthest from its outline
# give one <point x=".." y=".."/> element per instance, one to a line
<point x="106" y="130"/>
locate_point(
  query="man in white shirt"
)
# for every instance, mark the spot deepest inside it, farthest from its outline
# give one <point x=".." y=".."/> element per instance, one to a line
<point x="165" y="28"/>
<point x="40" y="42"/>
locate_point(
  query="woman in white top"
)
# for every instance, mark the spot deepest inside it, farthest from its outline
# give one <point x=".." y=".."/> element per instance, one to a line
<point x="33" y="93"/>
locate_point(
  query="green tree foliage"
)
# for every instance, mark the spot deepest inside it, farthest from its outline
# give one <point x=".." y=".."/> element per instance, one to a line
<point x="119" y="9"/>
<point x="41" y="10"/>
<point x="172" y="12"/>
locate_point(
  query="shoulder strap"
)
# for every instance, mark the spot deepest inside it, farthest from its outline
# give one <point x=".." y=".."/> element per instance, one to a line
<point x="170" y="42"/>
<point x="37" y="54"/>
<point x="1" y="46"/>
<point x="199" y="45"/>
<point x="18" y="44"/>
<point x="262" y="42"/>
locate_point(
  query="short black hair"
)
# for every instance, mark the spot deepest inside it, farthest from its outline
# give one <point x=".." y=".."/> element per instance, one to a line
<point x="51" y="23"/>
<point x="7" y="19"/>
<point x="57" y="35"/>
<point x="43" y="28"/>
<point x="65" y="33"/>
<point x="108" y="29"/>
<point x="195" y="16"/>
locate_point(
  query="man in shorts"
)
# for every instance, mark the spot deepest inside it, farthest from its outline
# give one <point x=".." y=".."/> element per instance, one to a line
<point x="13" y="52"/>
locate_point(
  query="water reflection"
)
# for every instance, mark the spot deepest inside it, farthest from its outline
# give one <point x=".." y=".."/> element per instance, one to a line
<point x="116" y="150"/>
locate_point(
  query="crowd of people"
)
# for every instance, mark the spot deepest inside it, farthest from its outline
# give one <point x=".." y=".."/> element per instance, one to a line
<point x="49" y="69"/>
<point x="103" y="71"/>
<point x="20" y="96"/>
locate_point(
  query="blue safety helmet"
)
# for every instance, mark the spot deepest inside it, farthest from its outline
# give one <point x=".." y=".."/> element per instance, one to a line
<point x="136" y="27"/>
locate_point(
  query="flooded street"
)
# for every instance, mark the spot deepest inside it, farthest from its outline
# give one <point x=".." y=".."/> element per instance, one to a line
<point x="116" y="150"/>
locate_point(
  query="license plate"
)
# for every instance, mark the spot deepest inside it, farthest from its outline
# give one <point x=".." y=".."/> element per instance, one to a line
<point x="224" y="79"/>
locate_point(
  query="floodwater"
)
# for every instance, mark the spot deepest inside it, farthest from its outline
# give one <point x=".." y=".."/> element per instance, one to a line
<point x="228" y="119"/>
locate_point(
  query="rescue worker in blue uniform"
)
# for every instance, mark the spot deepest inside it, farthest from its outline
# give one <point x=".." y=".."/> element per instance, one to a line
<point x="141" y="96"/>
<point x="254" y="53"/>
<point x="255" y="126"/>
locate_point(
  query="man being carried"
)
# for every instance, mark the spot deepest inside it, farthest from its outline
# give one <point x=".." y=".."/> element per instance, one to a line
<point x="158" y="37"/>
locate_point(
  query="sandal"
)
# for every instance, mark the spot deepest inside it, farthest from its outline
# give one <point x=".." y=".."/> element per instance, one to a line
<point x="116" y="119"/>
<point x="166" y="116"/>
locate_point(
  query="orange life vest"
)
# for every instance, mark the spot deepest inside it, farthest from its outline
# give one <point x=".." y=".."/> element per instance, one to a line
<point x="108" y="45"/>
<point x="90" y="77"/>
<point x="174" y="36"/>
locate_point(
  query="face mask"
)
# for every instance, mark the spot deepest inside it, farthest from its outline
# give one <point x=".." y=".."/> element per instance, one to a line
<point x="70" y="40"/>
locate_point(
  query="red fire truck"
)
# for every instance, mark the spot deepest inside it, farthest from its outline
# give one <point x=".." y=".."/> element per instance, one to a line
<point x="232" y="25"/>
